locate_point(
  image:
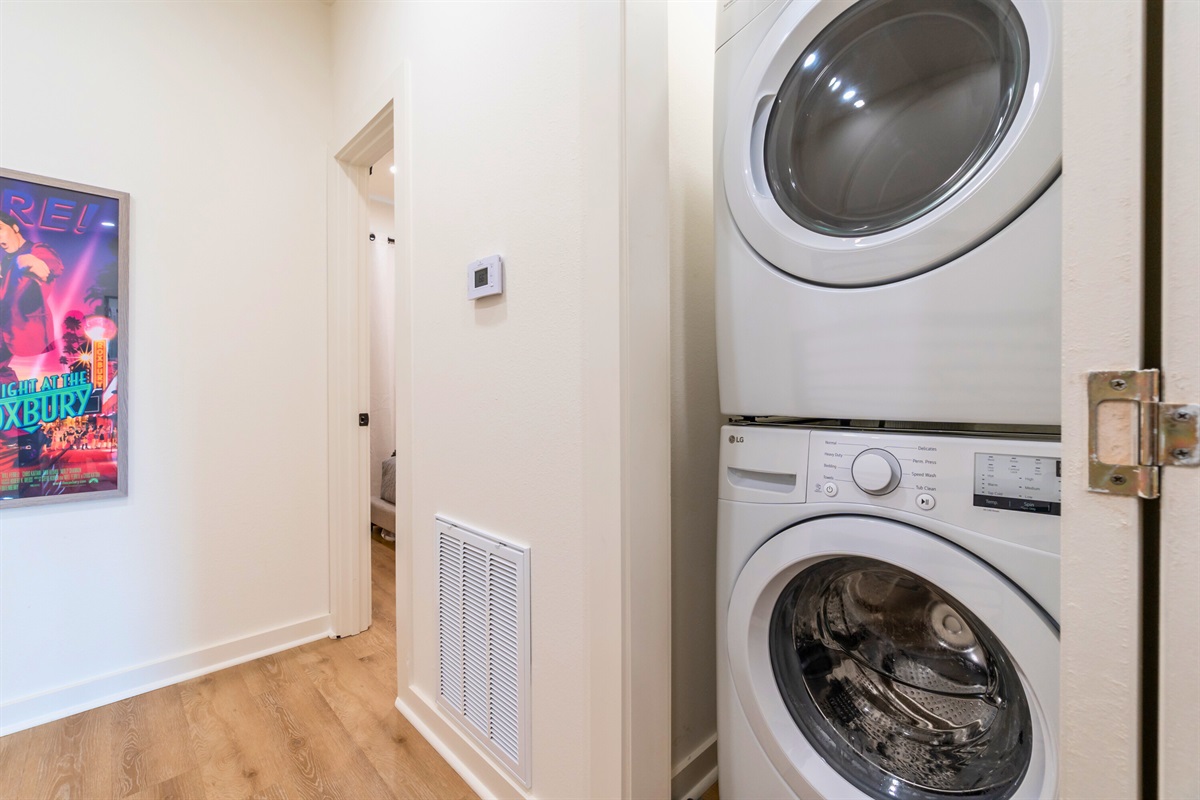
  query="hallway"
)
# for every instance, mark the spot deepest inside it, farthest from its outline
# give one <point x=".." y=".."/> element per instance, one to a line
<point x="315" y="721"/>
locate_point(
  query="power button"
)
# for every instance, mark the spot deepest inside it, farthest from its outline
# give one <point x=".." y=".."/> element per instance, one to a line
<point x="925" y="502"/>
<point x="830" y="489"/>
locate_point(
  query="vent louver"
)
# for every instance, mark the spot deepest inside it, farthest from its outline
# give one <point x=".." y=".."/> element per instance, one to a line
<point x="483" y="640"/>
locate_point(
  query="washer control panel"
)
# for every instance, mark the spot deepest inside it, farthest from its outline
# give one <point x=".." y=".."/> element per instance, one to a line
<point x="873" y="465"/>
<point x="1005" y="487"/>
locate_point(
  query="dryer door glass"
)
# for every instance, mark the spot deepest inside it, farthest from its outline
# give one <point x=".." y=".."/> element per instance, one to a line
<point x="900" y="688"/>
<point x="893" y="108"/>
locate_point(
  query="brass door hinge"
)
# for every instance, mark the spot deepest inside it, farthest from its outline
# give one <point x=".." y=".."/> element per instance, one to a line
<point x="1168" y="434"/>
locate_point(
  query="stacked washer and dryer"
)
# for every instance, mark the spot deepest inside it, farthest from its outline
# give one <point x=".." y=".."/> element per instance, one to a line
<point x="888" y="213"/>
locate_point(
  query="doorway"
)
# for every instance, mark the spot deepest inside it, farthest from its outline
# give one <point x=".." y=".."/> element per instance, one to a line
<point x="359" y="254"/>
<point x="381" y="456"/>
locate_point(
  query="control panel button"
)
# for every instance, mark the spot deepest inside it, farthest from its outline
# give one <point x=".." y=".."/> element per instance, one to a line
<point x="876" y="471"/>
<point x="830" y="489"/>
<point x="925" y="502"/>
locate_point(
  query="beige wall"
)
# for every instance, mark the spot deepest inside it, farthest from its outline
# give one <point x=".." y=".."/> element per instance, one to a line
<point x="220" y="551"/>
<point x="502" y="155"/>
<point x="695" y="416"/>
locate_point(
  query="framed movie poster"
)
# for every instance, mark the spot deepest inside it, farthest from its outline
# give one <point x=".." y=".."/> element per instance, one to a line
<point x="64" y="317"/>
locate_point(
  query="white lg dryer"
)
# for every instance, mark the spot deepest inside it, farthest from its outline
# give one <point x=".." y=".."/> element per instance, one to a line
<point x="887" y="615"/>
<point x="888" y="209"/>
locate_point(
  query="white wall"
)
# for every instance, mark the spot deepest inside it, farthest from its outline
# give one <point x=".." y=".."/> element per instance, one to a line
<point x="502" y="154"/>
<point x="383" y="336"/>
<point x="695" y="416"/>
<point x="215" y="118"/>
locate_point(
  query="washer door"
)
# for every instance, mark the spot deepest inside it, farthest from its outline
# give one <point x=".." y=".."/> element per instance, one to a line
<point x="874" y="659"/>
<point x="874" y="140"/>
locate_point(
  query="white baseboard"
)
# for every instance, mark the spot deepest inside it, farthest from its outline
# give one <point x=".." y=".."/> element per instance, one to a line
<point x="452" y="757"/>
<point x="696" y="773"/>
<point x="26" y="712"/>
<point x="691" y="777"/>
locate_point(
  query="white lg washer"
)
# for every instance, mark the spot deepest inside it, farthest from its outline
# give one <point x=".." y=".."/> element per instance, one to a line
<point x="888" y="209"/>
<point x="887" y="615"/>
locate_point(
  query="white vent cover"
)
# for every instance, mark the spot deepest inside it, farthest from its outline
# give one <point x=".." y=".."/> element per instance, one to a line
<point x="483" y="640"/>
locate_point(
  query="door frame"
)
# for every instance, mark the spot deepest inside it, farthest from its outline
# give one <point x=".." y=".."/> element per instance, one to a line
<point x="1178" y="618"/>
<point x="1104" y="279"/>
<point x="349" y="371"/>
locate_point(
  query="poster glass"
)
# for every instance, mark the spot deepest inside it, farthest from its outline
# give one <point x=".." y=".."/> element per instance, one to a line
<point x="63" y="293"/>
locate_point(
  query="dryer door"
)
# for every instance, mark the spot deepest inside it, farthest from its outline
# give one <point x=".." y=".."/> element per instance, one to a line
<point x="874" y="659"/>
<point x="871" y="141"/>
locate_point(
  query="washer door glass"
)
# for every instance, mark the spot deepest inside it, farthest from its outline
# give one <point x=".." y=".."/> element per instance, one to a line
<point x="893" y="108"/>
<point x="901" y="689"/>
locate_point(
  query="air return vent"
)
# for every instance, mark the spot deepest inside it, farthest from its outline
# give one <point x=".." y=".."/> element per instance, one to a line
<point x="483" y="640"/>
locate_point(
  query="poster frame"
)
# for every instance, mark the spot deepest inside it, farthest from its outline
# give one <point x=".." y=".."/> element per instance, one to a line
<point x="123" y="340"/>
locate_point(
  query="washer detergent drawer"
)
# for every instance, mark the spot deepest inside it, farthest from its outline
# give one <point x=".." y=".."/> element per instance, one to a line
<point x="763" y="464"/>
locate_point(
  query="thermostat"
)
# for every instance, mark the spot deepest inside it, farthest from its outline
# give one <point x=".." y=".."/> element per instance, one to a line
<point x="485" y="277"/>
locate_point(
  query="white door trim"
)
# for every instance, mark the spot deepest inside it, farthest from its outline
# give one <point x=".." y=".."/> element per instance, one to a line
<point x="1179" y="599"/>
<point x="626" y="391"/>
<point x="646" y="401"/>
<point x="349" y="376"/>
<point x="1104" y="59"/>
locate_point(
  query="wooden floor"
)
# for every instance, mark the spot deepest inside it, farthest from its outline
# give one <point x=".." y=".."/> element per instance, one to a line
<point x="318" y="721"/>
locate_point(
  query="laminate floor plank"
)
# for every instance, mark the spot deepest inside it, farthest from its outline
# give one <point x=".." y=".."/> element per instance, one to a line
<point x="317" y="722"/>
<point x="228" y="736"/>
<point x="273" y="792"/>
<point x="382" y="664"/>
<point x="82" y="767"/>
<point x="188" y="786"/>
<point x="378" y="643"/>
<point x="151" y="743"/>
<point x="383" y="606"/>
<point x="383" y="619"/>
<point x="49" y="761"/>
<point x="12" y="751"/>
<point x="401" y="756"/>
<point x="26" y="764"/>
<point x="383" y="565"/>
<point x="382" y="660"/>
<point x="327" y="765"/>
<point x="271" y="673"/>
<point x="374" y="641"/>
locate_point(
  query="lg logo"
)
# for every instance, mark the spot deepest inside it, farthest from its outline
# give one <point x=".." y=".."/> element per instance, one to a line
<point x="735" y="439"/>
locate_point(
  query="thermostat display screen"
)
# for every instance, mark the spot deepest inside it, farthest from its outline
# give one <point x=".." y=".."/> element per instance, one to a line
<point x="485" y="277"/>
<point x="1018" y="483"/>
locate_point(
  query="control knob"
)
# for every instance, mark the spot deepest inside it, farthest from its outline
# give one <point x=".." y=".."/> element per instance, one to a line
<point x="876" y="471"/>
